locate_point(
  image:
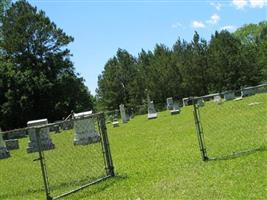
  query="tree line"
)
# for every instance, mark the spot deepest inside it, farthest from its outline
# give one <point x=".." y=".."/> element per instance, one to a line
<point x="37" y="76"/>
<point x="228" y="61"/>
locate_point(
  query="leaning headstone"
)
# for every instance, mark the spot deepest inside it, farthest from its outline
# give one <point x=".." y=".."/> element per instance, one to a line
<point x="218" y="99"/>
<point x="115" y="122"/>
<point x="124" y="118"/>
<point x="84" y="127"/>
<point x="229" y="95"/>
<point x="12" y="144"/>
<point x="152" y="114"/>
<point x="169" y="103"/>
<point x="45" y="141"/>
<point x="4" y="153"/>
<point x="175" y="109"/>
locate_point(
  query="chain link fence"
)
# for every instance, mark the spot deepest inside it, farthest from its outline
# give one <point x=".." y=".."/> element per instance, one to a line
<point x="232" y="124"/>
<point x="58" y="161"/>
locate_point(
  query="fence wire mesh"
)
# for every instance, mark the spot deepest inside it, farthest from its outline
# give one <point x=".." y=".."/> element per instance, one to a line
<point x="234" y="127"/>
<point x="69" y="155"/>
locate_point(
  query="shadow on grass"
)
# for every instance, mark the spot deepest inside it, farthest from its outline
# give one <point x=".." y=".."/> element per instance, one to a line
<point x="239" y="154"/>
<point x="102" y="186"/>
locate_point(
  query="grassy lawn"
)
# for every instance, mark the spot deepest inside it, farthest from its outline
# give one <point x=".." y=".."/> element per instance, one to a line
<point x="157" y="159"/>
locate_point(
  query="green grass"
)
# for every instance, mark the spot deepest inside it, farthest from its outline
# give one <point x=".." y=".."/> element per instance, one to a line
<point x="158" y="159"/>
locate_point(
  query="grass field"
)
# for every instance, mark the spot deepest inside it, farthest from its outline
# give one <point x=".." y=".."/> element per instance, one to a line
<point x="159" y="159"/>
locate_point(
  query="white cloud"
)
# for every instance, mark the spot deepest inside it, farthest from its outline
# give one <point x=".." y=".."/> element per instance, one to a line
<point x="214" y="19"/>
<point x="258" y="3"/>
<point x="177" y="25"/>
<point x="216" y="5"/>
<point x="198" y="24"/>
<point x="240" y="4"/>
<point x="229" y="28"/>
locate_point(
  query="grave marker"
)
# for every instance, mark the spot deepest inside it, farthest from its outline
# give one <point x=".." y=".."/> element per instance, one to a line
<point x="45" y="140"/>
<point x="176" y="109"/>
<point x="152" y="114"/>
<point x="115" y="122"/>
<point x="124" y="118"/>
<point x="85" y="132"/>
<point x="12" y="144"/>
<point x="229" y="95"/>
<point x="4" y="153"/>
<point x="169" y="103"/>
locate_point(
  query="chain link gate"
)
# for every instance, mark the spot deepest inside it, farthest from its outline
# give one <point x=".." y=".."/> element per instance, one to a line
<point x="70" y="160"/>
<point x="231" y="127"/>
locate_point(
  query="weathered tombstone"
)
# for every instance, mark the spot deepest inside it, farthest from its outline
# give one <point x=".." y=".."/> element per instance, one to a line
<point x="4" y="153"/>
<point x="85" y="132"/>
<point x="124" y="118"/>
<point x="45" y="140"/>
<point x="230" y="95"/>
<point x="115" y="122"/>
<point x="200" y="102"/>
<point x="169" y="103"/>
<point x="185" y="102"/>
<point x="248" y="91"/>
<point x="12" y="144"/>
<point x="218" y="99"/>
<point x="152" y="114"/>
<point x="175" y="109"/>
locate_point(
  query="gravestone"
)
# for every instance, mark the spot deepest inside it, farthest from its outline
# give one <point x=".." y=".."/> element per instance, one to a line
<point x="229" y="95"/>
<point x="175" y="109"/>
<point x="169" y="103"/>
<point x="200" y="102"/>
<point x="115" y="122"/>
<point x="152" y="114"/>
<point x="4" y="153"/>
<point x="84" y="128"/>
<point x="12" y="144"/>
<point x="124" y="117"/>
<point x="218" y="99"/>
<point x="185" y="102"/>
<point x="248" y="91"/>
<point x="45" y="140"/>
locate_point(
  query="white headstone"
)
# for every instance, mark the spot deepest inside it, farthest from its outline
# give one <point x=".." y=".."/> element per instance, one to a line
<point x="176" y="109"/>
<point x="4" y="153"/>
<point x="45" y="140"/>
<point x="185" y="102"/>
<point x="84" y="126"/>
<point x="218" y="99"/>
<point x="169" y="103"/>
<point x="152" y="114"/>
<point x="124" y="118"/>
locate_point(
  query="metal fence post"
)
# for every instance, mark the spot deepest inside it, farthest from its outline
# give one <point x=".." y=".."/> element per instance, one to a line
<point x="42" y="163"/>
<point x="199" y="132"/>
<point x="108" y="157"/>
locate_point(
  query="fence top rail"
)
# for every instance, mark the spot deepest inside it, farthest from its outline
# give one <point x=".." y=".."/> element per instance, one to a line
<point x="52" y="124"/>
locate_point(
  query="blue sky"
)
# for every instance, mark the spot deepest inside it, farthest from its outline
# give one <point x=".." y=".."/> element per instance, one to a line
<point x="101" y="27"/>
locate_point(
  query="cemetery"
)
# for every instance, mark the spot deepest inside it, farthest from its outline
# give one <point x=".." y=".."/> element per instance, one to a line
<point x="141" y="153"/>
<point x="133" y="100"/>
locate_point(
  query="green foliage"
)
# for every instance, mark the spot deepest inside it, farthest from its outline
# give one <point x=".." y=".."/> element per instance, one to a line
<point x="37" y="77"/>
<point x="227" y="62"/>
